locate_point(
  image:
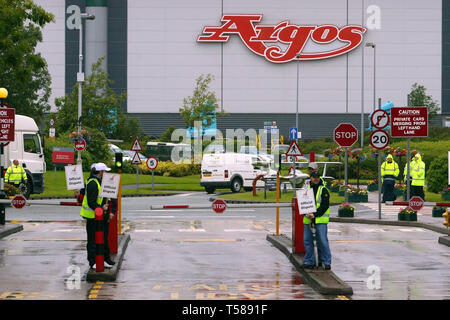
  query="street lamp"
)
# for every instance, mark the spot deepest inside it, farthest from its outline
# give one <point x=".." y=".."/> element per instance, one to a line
<point x="80" y="74"/>
<point x="296" y="109"/>
<point x="3" y="96"/>
<point x="373" y="45"/>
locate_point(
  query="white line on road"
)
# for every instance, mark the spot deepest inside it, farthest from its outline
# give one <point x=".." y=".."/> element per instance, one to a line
<point x="240" y="230"/>
<point x="187" y="210"/>
<point x="191" y="230"/>
<point x="147" y="230"/>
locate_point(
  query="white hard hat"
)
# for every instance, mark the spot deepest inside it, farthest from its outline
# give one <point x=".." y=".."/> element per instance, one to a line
<point x="100" y="167"/>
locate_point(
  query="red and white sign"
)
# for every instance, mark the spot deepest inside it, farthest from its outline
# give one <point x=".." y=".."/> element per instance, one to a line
<point x="136" y="159"/>
<point x="263" y="40"/>
<point x="219" y="206"/>
<point x="80" y="145"/>
<point x="294" y="150"/>
<point x="345" y="134"/>
<point x="19" y="202"/>
<point x="63" y="155"/>
<point x="7" y="119"/>
<point x="152" y="163"/>
<point x="136" y="145"/>
<point x="416" y="203"/>
<point x="379" y="139"/>
<point x="409" y="122"/>
<point x="379" y="119"/>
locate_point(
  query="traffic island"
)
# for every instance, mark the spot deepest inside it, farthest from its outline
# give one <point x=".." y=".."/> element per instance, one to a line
<point x="9" y="228"/>
<point x="325" y="282"/>
<point x="111" y="274"/>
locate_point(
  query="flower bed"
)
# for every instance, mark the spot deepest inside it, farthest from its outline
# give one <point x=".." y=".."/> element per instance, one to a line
<point x="346" y="210"/>
<point x="372" y="185"/>
<point x="358" y="195"/>
<point x="446" y="194"/>
<point x="407" y="214"/>
<point x="399" y="190"/>
<point x="335" y="185"/>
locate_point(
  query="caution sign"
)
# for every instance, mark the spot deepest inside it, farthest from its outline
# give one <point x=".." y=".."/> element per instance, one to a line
<point x="110" y="185"/>
<point x="7" y="118"/>
<point x="409" y="122"/>
<point x="74" y="177"/>
<point x="136" y="145"/>
<point x="136" y="159"/>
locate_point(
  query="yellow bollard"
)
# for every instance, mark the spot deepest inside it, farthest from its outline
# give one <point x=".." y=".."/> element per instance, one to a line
<point x="278" y="201"/>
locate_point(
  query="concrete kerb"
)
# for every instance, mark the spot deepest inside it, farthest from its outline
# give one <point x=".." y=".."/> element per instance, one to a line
<point x="111" y="274"/>
<point x="9" y="228"/>
<point x="123" y="196"/>
<point x="444" y="240"/>
<point x="323" y="281"/>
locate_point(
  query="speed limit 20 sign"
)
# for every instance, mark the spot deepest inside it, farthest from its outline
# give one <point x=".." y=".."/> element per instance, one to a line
<point x="379" y="139"/>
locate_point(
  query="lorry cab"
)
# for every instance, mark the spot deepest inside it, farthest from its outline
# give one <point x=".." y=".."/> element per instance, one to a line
<point x="27" y="148"/>
<point x="232" y="170"/>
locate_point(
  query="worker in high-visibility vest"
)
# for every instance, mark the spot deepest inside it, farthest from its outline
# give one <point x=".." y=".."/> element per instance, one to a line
<point x="389" y="172"/>
<point x="321" y="218"/>
<point x="92" y="201"/>
<point x="418" y="177"/>
<point x="15" y="174"/>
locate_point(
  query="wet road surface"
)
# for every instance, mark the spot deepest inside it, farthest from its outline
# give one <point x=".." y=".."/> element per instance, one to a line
<point x="205" y="256"/>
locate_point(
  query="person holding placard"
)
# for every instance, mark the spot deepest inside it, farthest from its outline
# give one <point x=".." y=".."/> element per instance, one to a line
<point x="92" y="201"/>
<point x="321" y="218"/>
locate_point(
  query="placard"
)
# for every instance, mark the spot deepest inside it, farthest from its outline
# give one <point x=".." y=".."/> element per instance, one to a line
<point x="409" y="122"/>
<point x="306" y="201"/>
<point x="110" y="185"/>
<point x="74" y="177"/>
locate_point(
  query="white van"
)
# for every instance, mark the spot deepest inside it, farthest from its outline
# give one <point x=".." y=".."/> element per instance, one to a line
<point x="27" y="148"/>
<point x="232" y="170"/>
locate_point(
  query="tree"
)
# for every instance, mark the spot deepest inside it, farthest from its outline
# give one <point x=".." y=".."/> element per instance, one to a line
<point x="23" y="71"/>
<point x="202" y="106"/>
<point x="101" y="108"/>
<point x="419" y="98"/>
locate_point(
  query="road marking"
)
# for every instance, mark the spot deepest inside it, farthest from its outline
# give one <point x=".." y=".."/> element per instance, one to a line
<point x="147" y="230"/>
<point x="370" y="230"/>
<point x="186" y="210"/>
<point x="239" y="230"/>
<point x="411" y="230"/>
<point x="191" y="230"/>
<point x="343" y="298"/>
<point x="356" y="241"/>
<point x="199" y="240"/>
<point x="63" y="230"/>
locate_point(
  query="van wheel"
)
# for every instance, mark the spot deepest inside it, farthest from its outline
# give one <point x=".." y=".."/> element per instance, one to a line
<point x="236" y="185"/>
<point x="210" y="190"/>
<point x="25" y="189"/>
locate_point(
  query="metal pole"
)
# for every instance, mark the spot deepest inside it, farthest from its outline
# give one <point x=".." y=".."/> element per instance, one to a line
<point x="346" y="75"/>
<point x="278" y="201"/>
<point x="2" y="179"/>
<point x="362" y="83"/>
<point x="80" y="81"/>
<point x="137" y="178"/>
<point x="379" y="174"/>
<point x="153" y="180"/>
<point x="296" y="109"/>
<point x="346" y="175"/>
<point x="408" y="160"/>
<point x="374" y="75"/>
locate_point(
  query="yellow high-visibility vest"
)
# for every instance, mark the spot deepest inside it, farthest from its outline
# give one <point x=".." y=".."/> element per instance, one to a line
<point x="325" y="218"/>
<point x="85" y="210"/>
<point x="15" y="174"/>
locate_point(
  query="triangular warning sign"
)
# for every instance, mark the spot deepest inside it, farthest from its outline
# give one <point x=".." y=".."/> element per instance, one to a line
<point x="294" y="150"/>
<point x="136" y="159"/>
<point x="136" y="145"/>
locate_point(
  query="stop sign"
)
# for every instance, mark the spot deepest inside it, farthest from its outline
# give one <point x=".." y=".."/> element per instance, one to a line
<point x="219" y="206"/>
<point x="19" y="202"/>
<point x="345" y="134"/>
<point x="80" y="145"/>
<point x="416" y="203"/>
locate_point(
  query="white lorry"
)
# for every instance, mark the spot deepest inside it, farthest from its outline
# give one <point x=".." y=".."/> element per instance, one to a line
<point x="28" y="149"/>
<point x="233" y="170"/>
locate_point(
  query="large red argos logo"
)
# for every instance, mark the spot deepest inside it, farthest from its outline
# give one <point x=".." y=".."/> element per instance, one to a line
<point x="293" y="37"/>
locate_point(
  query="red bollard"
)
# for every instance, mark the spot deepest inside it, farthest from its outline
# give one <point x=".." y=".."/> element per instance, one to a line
<point x="297" y="229"/>
<point x="312" y="157"/>
<point x="112" y="234"/>
<point x="99" y="243"/>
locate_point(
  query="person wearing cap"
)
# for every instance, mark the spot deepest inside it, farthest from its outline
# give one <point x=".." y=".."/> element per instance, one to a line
<point x="92" y="201"/>
<point x="389" y="172"/>
<point x="418" y="177"/>
<point x="321" y="218"/>
<point x="313" y="167"/>
<point x="15" y="174"/>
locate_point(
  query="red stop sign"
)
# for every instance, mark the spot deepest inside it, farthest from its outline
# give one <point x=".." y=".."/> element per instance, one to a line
<point x="80" y="145"/>
<point x="219" y="206"/>
<point x="345" y="134"/>
<point x="416" y="203"/>
<point x="19" y="202"/>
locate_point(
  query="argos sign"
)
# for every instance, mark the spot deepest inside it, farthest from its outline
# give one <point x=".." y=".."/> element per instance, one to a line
<point x="258" y="38"/>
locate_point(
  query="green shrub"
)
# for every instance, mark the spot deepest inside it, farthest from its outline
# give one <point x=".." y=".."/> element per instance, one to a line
<point x="11" y="190"/>
<point x="437" y="174"/>
<point x="170" y="169"/>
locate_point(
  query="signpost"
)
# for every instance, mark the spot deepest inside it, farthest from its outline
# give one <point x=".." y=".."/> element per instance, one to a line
<point x="379" y="139"/>
<point x="293" y="152"/>
<point x="7" y="121"/>
<point x="345" y="135"/>
<point x="407" y="122"/>
<point x="152" y="164"/>
<point x="136" y="160"/>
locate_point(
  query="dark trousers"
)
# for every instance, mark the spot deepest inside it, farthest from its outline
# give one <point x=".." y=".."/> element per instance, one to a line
<point x="90" y="230"/>
<point x="388" y="190"/>
<point x="417" y="191"/>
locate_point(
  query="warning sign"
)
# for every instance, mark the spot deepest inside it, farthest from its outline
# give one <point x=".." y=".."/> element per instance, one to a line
<point x="136" y="145"/>
<point x="409" y="122"/>
<point x="7" y="118"/>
